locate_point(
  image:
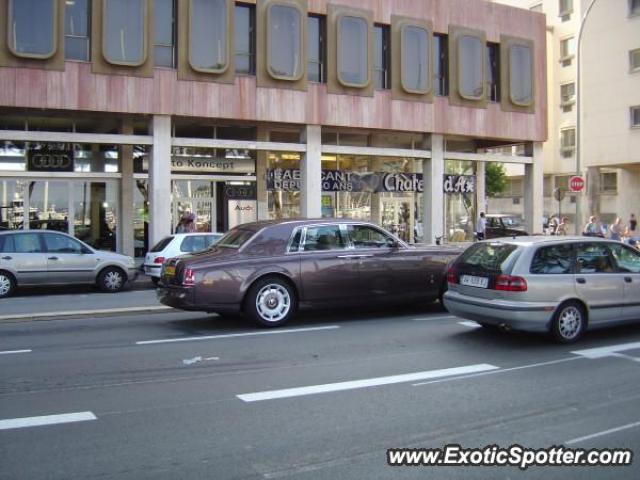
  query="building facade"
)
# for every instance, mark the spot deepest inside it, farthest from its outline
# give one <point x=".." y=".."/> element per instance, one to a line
<point x="117" y="117"/>
<point x="609" y="89"/>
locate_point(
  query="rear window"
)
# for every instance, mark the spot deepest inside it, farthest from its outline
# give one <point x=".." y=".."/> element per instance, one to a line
<point x="235" y="238"/>
<point x="556" y="259"/>
<point x="161" y="245"/>
<point x="492" y="257"/>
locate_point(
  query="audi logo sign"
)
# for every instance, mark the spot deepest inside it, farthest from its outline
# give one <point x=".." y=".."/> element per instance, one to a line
<point x="50" y="161"/>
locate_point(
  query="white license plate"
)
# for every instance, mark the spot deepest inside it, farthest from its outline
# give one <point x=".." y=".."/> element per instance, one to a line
<point x="471" y="281"/>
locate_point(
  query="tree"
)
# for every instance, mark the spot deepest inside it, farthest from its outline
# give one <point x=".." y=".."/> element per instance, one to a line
<point x="495" y="179"/>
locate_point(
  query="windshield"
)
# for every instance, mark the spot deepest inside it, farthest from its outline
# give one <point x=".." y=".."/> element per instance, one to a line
<point x="161" y="245"/>
<point x="234" y="238"/>
<point x="494" y="257"/>
<point x="511" y="222"/>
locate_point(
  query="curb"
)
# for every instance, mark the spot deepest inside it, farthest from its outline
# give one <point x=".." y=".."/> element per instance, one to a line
<point x="106" y="312"/>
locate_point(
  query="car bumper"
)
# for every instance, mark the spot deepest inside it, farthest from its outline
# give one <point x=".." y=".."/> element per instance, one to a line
<point x="184" y="298"/>
<point x="527" y="316"/>
<point x="132" y="274"/>
<point x="152" y="270"/>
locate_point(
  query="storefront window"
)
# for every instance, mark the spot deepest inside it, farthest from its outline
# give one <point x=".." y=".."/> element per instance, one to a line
<point x="32" y="28"/>
<point x="284" y="200"/>
<point x="95" y="217"/>
<point x="124" y="32"/>
<point x="141" y="218"/>
<point x="284" y="42"/>
<point x="49" y="205"/>
<point x="208" y="35"/>
<point x="460" y="208"/>
<point x="12" y="193"/>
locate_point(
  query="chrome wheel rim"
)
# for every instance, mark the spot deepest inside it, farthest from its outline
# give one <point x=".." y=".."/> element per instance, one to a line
<point x="570" y="322"/>
<point x="273" y="302"/>
<point x="5" y="285"/>
<point x="113" y="280"/>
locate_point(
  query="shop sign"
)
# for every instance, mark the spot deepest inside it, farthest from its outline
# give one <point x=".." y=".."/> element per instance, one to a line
<point x="288" y="180"/>
<point x="202" y="164"/>
<point x="45" y="157"/>
<point x="459" y="184"/>
<point x="240" y="192"/>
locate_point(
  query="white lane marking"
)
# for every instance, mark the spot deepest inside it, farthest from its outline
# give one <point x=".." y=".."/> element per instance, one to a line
<point x="606" y="351"/>
<point x="365" y="383"/>
<point x="426" y="319"/>
<point x="626" y="357"/>
<point x="502" y="370"/>
<point x="600" y="434"/>
<point x="469" y="324"/>
<point x="234" y="335"/>
<point x="9" y="352"/>
<point x="46" y="420"/>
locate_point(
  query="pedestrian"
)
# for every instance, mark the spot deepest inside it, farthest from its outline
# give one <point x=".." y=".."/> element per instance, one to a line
<point x="553" y="225"/>
<point x="616" y="230"/>
<point x="481" y="227"/>
<point x="562" y="226"/>
<point x="591" y="228"/>
<point x="186" y="223"/>
<point x="633" y="224"/>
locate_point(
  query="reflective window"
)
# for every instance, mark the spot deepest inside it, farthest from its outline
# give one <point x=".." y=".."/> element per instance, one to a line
<point x="316" y="48"/>
<point x="195" y="243"/>
<point x="594" y="258"/>
<point x="635" y="116"/>
<point x="415" y="59"/>
<point x="208" y="41"/>
<point x="552" y="260"/>
<point x="353" y="51"/>
<point x="77" y="30"/>
<point x="568" y="92"/>
<point x="627" y="259"/>
<point x="164" y="33"/>
<point x="32" y="26"/>
<point x="324" y="237"/>
<point x="61" y="244"/>
<point x="124" y="31"/>
<point x="521" y="75"/>
<point x="381" y="55"/>
<point x="470" y="67"/>
<point x="364" y="236"/>
<point x="245" y="39"/>
<point x="493" y="72"/>
<point x="24" y="243"/>
<point x="441" y="65"/>
<point x="567" y="48"/>
<point x="634" y="60"/>
<point x="284" y="42"/>
<point x="634" y="7"/>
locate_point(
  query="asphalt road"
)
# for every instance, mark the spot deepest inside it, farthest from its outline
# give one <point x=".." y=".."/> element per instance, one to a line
<point x="172" y="396"/>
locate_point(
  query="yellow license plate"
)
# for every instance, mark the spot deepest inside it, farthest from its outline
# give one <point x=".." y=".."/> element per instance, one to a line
<point x="169" y="270"/>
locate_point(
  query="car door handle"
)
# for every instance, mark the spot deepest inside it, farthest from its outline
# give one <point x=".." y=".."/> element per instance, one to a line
<point x="53" y="258"/>
<point x="581" y="280"/>
<point x="628" y="279"/>
<point x="7" y="258"/>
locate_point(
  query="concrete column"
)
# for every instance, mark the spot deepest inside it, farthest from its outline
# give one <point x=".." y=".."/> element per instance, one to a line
<point x="160" y="179"/>
<point x="481" y="195"/>
<point x="125" y="243"/>
<point x="310" y="174"/>
<point x="533" y="184"/>
<point x="592" y="193"/>
<point x="433" y="196"/>
<point x="261" y="176"/>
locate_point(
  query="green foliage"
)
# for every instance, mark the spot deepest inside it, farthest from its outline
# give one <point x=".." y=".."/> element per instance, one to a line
<point x="495" y="179"/>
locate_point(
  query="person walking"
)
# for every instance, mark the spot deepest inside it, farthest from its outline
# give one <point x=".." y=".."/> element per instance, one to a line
<point x="616" y="230"/>
<point x="633" y="224"/>
<point x="562" y="226"/>
<point x="591" y="228"/>
<point x="481" y="227"/>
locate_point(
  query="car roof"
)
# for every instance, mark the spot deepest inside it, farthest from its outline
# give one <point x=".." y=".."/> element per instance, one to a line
<point x="527" y="240"/>
<point x="501" y="215"/>
<point x="191" y="234"/>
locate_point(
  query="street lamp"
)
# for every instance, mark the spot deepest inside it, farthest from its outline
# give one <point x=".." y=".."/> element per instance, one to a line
<point x="578" y="221"/>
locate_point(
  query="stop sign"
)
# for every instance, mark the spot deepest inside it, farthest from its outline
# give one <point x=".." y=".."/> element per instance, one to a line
<point x="576" y="183"/>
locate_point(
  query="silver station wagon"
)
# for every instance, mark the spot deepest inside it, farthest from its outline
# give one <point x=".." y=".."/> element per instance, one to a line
<point x="560" y="285"/>
<point x="36" y="257"/>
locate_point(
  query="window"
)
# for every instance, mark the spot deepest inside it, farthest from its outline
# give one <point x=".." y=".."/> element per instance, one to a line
<point x="381" y="57"/>
<point x="123" y="31"/>
<point x="26" y="243"/>
<point x="32" y="28"/>
<point x="594" y="258"/>
<point x="565" y="9"/>
<point x="364" y="236"/>
<point x="353" y="51"/>
<point x="284" y="42"/>
<point x="536" y="8"/>
<point x="415" y="67"/>
<point x="208" y="36"/>
<point x="61" y="244"/>
<point x="567" y="93"/>
<point x="441" y="65"/>
<point x="245" y="38"/>
<point x="164" y="31"/>
<point x="634" y="60"/>
<point x="316" y="34"/>
<point x="634" y="7"/>
<point x="555" y="260"/>
<point x="635" y="116"/>
<point x="521" y="75"/>
<point x="77" y="16"/>
<point x="627" y="259"/>
<point x="470" y="67"/>
<point x="567" y="51"/>
<point x="493" y="72"/>
<point x="325" y="237"/>
<point x="608" y="182"/>
<point x="567" y="141"/>
<point x="195" y="243"/>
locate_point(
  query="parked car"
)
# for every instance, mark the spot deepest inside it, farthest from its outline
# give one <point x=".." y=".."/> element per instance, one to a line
<point x="174" y="245"/>
<point x="560" y="285"/>
<point x="45" y="257"/>
<point x="267" y="270"/>
<point x="503" y="225"/>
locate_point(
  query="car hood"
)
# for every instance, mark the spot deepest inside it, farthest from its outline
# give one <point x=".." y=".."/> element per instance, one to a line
<point x="216" y="254"/>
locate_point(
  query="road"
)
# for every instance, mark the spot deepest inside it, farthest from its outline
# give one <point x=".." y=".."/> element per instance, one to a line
<point x="184" y="395"/>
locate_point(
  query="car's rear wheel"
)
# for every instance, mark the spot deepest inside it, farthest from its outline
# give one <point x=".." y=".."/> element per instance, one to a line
<point x="7" y="284"/>
<point x="569" y="322"/>
<point x="111" y="279"/>
<point x="271" y="302"/>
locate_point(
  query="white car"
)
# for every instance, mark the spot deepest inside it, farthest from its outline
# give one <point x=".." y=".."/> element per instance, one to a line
<point x="174" y="246"/>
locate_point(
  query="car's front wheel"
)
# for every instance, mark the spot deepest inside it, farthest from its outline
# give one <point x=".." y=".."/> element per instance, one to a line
<point x="271" y="302"/>
<point x="7" y="284"/>
<point x="111" y="279"/>
<point x="569" y="322"/>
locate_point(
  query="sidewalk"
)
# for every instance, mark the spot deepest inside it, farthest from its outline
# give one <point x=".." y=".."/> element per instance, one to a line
<point x="80" y="301"/>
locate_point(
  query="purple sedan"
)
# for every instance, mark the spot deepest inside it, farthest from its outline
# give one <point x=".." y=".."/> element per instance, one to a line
<point x="267" y="270"/>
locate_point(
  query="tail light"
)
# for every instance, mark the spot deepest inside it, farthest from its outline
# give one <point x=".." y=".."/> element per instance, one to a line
<point x="452" y="275"/>
<point x="509" y="283"/>
<point x="189" y="278"/>
<point x="159" y="260"/>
